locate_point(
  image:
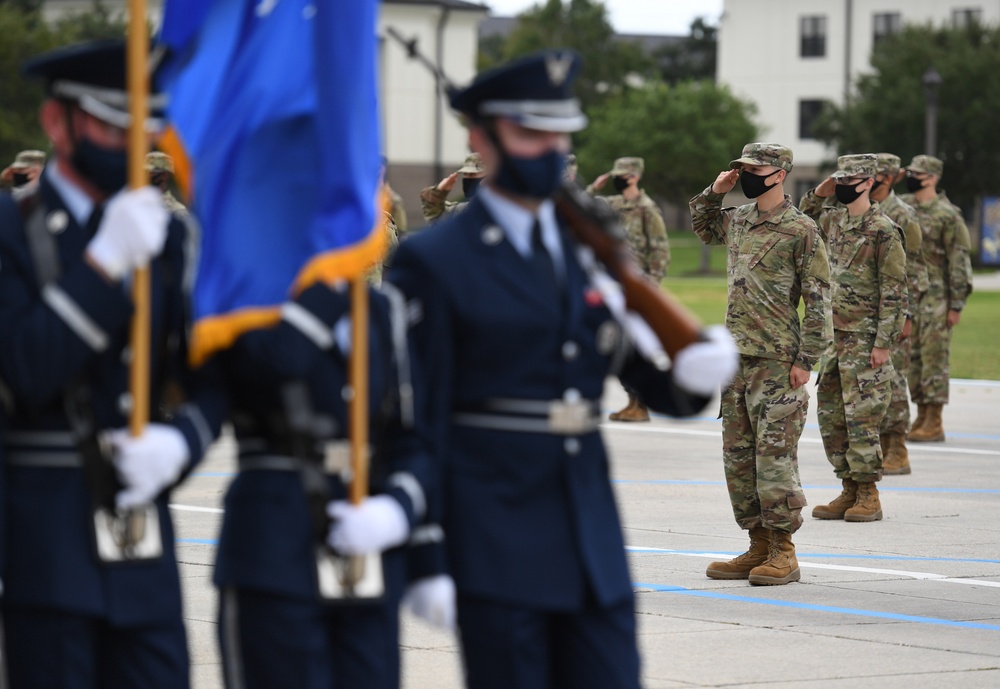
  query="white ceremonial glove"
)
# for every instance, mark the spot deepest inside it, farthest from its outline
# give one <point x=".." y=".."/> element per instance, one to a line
<point x="133" y="229"/>
<point x="433" y="600"/>
<point x="377" y="524"/>
<point x="149" y="463"/>
<point x="703" y="367"/>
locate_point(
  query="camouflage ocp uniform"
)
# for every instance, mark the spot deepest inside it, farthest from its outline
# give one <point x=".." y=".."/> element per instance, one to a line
<point x="157" y="162"/>
<point x="775" y="259"/>
<point x="434" y="202"/>
<point x="643" y="223"/>
<point x="949" y="271"/>
<point x="897" y="416"/>
<point x="868" y="279"/>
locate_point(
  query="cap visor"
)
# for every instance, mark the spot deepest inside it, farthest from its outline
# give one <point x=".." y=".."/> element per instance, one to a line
<point x="740" y="162"/>
<point x="552" y="124"/>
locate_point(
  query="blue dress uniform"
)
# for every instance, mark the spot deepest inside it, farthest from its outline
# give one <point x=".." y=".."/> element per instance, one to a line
<point x="58" y="599"/>
<point x="70" y="620"/>
<point x="274" y="629"/>
<point x="516" y="369"/>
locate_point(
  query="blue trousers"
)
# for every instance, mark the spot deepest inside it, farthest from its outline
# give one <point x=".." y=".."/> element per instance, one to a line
<point x="274" y="642"/>
<point x="48" y="649"/>
<point x="505" y="646"/>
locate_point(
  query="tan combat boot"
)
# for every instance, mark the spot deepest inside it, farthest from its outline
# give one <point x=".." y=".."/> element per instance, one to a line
<point x="634" y="411"/>
<point x="932" y="431"/>
<point x="739" y="567"/>
<point x="921" y="418"/>
<point x="896" y="460"/>
<point x="867" y="508"/>
<point x="781" y="567"/>
<point x="836" y="509"/>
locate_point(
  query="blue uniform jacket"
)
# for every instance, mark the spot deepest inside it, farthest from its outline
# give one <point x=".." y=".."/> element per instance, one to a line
<point x="267" y="543"/>
<point x="79" y="330"/>
<point x="529" y="518"/>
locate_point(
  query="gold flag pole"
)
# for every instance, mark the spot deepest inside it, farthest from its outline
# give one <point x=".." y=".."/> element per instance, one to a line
<point x="137" y="55"/>
<point x="359" y="387"/>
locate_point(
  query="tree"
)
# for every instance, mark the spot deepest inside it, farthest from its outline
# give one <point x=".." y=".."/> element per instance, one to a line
<point x="686" y="133"/>
<point x="26" y="34"/>
<point x="886" y="113"/>
<point x="583" y="26"/>
<point x="692" y="58"/>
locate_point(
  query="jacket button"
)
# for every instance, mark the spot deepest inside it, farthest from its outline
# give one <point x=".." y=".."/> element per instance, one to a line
<point x="125" y="403"/>
<point x="570" y="350"/>
<point x="572" y="446"/>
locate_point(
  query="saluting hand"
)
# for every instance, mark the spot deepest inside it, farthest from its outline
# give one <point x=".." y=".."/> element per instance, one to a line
<point x="601" y="181"/>
<point x="826" y="188"/>
<point x="448" y="183"/>
<point x="725" y="182"/>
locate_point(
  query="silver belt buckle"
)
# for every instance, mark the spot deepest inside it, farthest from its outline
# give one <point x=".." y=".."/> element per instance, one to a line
<point x="131" y="535"/>
<point x="337" y="458"/>
<point x="569" y="418"/>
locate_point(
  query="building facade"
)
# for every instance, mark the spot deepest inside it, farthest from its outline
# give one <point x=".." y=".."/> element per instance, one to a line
<point x="791" y="56"/>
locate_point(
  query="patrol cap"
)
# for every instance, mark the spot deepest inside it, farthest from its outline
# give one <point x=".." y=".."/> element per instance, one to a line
<point x="92" y="75"/>
<point x="30" y="158"/>
<point x="534" y="91"/>
<point x="473" y="165"/>
<point x="764" y="154"/>
<point x="856" y="165"/>
<point x="888" y="164"/>
<point x="159" y="162"/>
<point x="926" y="164"/>
<point x="624" y="167"/>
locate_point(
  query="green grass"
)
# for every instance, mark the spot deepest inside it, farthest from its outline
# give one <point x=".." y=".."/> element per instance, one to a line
<point x="975" y="349"/>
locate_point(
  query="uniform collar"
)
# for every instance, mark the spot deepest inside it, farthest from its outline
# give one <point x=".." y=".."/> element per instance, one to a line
<point x="76" y="200"/>
<point x="517" y="221"/>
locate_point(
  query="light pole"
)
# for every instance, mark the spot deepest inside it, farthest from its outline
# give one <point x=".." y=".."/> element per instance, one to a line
<point x="932" y="82"/>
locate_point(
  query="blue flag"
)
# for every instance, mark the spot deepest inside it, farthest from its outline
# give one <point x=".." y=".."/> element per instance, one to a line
<point x="275" y="127"/>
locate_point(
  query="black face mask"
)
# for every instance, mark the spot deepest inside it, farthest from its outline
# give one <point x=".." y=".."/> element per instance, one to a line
<point x="105" y="168"/>
<point x="21" y="178"/>
<point x="621" y="183"/>
<point x="536" y="178"/>
<point x="470" y="186"/>
<point x="848" y="193"/>
<point x="753" y="185"/>
<point x="913" y="185"/>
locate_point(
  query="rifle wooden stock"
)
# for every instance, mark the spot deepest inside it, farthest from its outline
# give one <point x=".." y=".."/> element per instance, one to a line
<point x="597" y="226"/>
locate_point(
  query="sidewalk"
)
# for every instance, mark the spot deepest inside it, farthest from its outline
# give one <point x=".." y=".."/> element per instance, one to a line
<point x="986" y="282"/>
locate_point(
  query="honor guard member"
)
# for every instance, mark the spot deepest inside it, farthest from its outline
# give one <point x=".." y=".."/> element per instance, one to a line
<point x="291" y="612"/>
<point x="647" y="237"/>
<point x="516" y="341"/>
<point x="776" y="260"/>
<point x="92" y="596"/>
<point x="896" y="423"/>
<point x="949" y="272"/>
<point x="433" y="199"/>
<point x="868" y="279"/>
<point x="26" y="167"/>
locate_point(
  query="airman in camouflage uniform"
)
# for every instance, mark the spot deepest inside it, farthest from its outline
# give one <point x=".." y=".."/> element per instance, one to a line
<point x="433" y="200"/>
<point x="868" y="277"/>
<point x="896" y="422"/>
<point x="160" y="168"/>
<point x="949" y="271"/>
<point x="776" y="259"/>
<point x="647" y="237"/>
<point x="26" y="167"/>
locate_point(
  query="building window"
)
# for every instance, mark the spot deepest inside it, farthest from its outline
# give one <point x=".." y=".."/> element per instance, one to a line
<point x="809" y="110"/>
<point x="886" y="25"/>
<point x="965" y="17"/>
<point x="812" y="31"/>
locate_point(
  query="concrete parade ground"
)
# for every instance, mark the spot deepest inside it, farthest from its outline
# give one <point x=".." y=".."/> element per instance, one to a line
<point x="910" y="601"/>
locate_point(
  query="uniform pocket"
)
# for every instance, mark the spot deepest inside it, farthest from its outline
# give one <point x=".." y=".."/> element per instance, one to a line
<point x="872" y="377"/>
<point x="761" y="252"/>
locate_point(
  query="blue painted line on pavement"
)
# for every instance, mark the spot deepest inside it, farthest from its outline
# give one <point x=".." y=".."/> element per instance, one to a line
<point x="822" y="608"/>
<point x="830" y="556"/>
<point x="198" y="541"/>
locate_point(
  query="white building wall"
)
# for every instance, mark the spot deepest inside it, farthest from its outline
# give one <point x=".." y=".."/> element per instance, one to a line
<point x="759" y="55"/>
<point x="408" y="88"/>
